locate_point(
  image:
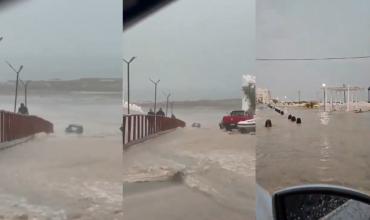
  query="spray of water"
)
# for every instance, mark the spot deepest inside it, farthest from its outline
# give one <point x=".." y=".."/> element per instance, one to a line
<point x="249" y="90"/>
<point x="133" y="107"/>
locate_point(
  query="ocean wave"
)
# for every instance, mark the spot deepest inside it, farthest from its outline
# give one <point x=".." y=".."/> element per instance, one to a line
<point x="153" y="174"/>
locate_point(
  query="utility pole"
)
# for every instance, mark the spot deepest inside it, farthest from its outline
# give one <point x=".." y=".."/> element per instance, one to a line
<point x="128" y="82"/>
<point x="299" y="96"/>
<point x="16" y="82"/>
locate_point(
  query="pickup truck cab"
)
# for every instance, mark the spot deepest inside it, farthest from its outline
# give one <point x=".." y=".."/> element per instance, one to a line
<point x="231" y="121"/>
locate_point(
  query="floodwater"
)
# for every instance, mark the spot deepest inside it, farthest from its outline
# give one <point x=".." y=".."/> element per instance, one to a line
<point x="191" y="173"/>
<point x="62" y="176"/>
<point x="327" y="148"/>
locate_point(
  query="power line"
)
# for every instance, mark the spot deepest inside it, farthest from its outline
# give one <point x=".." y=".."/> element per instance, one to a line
<point x="310" y="59"/>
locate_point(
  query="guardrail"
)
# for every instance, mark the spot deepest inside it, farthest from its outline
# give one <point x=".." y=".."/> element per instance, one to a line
<point x="136" y="127"/>
<point x="16" y="126"/>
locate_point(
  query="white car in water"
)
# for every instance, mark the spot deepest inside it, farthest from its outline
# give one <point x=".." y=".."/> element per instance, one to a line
<point x="247" y="126"/>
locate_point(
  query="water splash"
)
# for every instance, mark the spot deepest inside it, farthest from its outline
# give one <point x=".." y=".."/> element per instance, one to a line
<point x="133" y="107"/>
<point x="249" y="90"/>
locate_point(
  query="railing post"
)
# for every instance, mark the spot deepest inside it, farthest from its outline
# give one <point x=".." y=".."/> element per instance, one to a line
<point x="142" y="126"/>
<point x="134" y="128"/>
<point x="123" y="130"/>
<point x="129" y="129"/>
<point x="1" y="126"/>
<point x="146" y="125"/>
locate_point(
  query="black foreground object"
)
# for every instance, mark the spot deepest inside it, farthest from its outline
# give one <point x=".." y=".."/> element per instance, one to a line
<point x="4" y="3"/>
<point x="136" y="10"/>
<point x="313" y="202"/>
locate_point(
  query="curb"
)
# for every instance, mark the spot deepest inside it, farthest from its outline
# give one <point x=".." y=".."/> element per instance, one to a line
<point x="13" y="143"/>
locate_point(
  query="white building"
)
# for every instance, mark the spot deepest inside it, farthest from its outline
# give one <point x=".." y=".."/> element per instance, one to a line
<point x="263" y="96"/>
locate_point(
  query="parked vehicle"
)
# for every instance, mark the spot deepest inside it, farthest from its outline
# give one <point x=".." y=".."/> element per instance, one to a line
<point x="231" y="121"/>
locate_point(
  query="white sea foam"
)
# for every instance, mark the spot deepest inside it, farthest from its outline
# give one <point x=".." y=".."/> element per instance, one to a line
<point x="12" y="207"/>
<point x="152" y="173"/>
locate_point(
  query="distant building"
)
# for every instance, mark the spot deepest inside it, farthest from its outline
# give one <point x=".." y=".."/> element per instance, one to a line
<point x="263" y="96"/>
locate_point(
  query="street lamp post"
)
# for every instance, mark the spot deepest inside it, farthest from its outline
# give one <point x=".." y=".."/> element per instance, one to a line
<point x="155" y="94"/>
<point x="155" y="102"/>
<point x="16" y="82"/>
<point x="128" y="82"/>
<point x="167" y="100"/>
<point x="25" y="85"/>
<point x="324" y="89"/>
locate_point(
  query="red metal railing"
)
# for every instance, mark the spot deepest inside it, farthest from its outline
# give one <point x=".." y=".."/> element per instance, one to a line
<point x="15" y="126"/>
<point x="136" y="127"/>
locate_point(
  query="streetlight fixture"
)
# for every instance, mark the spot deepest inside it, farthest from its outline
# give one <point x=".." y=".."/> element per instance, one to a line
<point x="128" y="82"/>
<point x="25" y="85"/>
<point x="16" y="82"/>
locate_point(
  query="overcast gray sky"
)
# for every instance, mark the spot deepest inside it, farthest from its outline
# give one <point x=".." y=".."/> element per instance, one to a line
<point x="199" y="49"/>
<point x="312" y="28"/>
<point x="62" y="39"/>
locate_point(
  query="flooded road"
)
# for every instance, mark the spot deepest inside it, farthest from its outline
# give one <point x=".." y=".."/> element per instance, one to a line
<point x="54" y="178"/>
<point x="329" y="148"/>
<point x="191" y="173"/>
<point x="61" y="176"/>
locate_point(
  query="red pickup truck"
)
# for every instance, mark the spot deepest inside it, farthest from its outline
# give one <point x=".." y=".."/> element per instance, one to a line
<point x="230" y="122"/>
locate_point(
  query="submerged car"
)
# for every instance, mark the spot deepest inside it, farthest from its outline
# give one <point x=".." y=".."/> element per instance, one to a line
<point x="74" y="128"/>
<point x="196" y="125"/>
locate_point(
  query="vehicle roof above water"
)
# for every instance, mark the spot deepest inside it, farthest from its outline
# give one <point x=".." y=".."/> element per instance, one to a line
<point x="74" y="125"/>
<point x="238" y="112"/>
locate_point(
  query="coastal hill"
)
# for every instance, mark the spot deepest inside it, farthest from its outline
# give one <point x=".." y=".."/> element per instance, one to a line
<point x="113" y="85"/>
